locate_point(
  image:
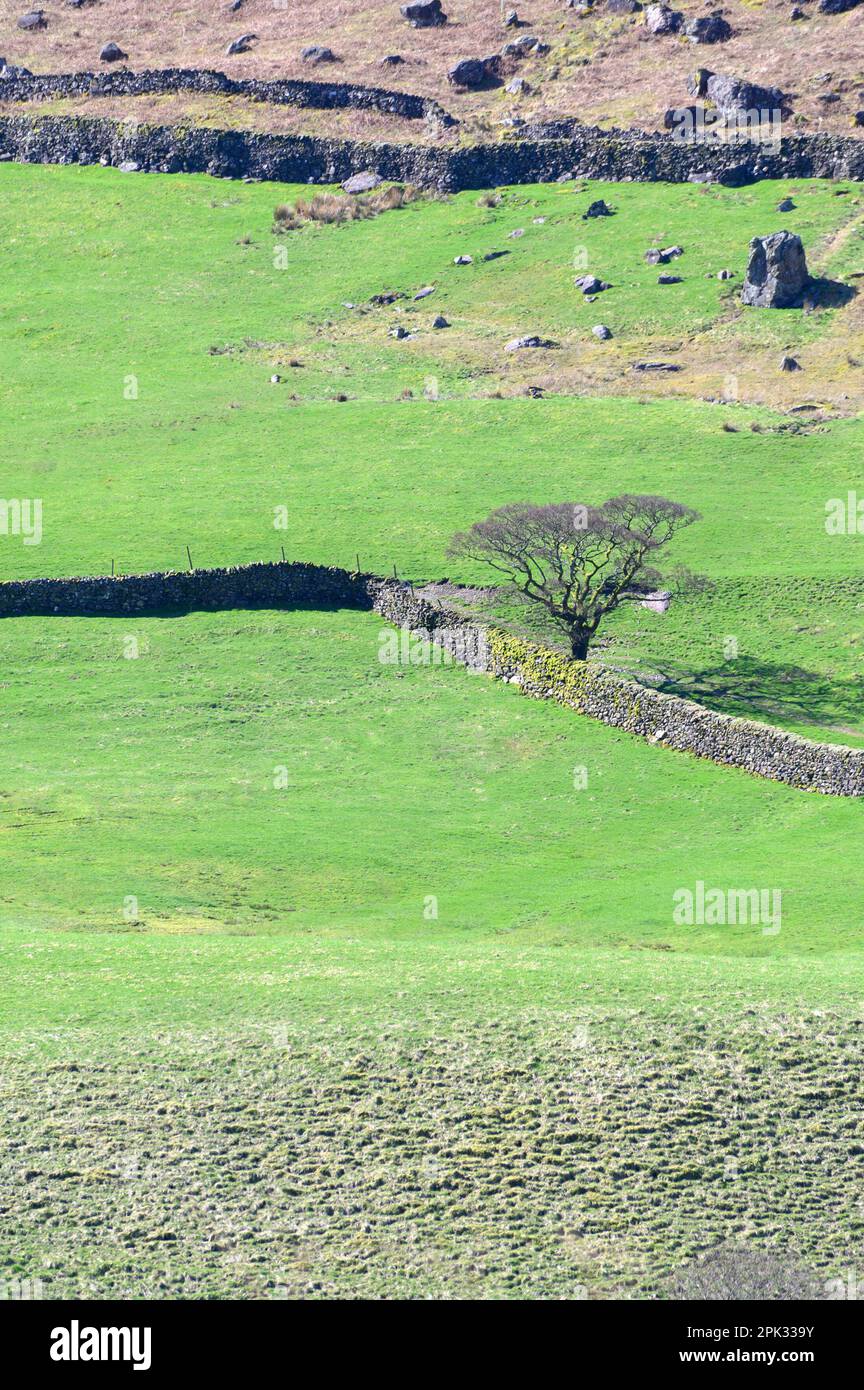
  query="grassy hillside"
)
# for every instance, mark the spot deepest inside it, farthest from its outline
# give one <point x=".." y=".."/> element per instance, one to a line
<point x="144" y="318"/>
<point x="288" y="1077"/>
<point x="600" y="66"/>
<point x="322" y="977"/>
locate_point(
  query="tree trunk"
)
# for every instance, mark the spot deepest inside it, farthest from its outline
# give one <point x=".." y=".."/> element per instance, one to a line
<point x="579" y="645"/>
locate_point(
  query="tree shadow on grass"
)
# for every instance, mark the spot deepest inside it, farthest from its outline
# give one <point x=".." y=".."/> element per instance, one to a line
<point x="769" y="691"/>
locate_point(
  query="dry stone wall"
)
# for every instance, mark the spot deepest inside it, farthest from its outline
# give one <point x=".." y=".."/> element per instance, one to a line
<point x="328" y="96"/>
<point x="43" y="139"/>
<point x="586" y="687"/>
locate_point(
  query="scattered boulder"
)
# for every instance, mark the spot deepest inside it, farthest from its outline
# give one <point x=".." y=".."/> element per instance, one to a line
<point x="440" y="322"/>
<point x="657" y="255"/>
<point x="789" y="364"/>
<point x="709" y="28"/>
<point x="398" y="332"/>
<point x="776" y="272"/>
<point x="602" y="332"/>
<point x="35" y="19"/>
<point x="511" y="20"/>
<point x="361" y="183"/>
<point x="597" y="209"/>
<point x="669" y="280"/>
<point x="786" y="205"/>
<point x="725" y="274"/>
<point x="129" y="166"/>
<point x="797" y="13"/>
<point x="517" y="87"/>
<point x="531" y="341"/>
<point x="697" y="82"/>
<point x="735" y="94"/>
<point x="318" y="53"/>
<point x="241" y="45"/>
<point x="522" y="47"/>
<point x="424" y="14"/>
<point x="463" y="260"/>
<point x="474" y="72"/>
<point x="425" y="292"/>
<point x="516" y="232"/>
<point x="656" y="367"/>
<point x="660" y="19"/>
<point x="590" y="284"/>
<point x="112" y="53"/>
<point x="836" y="6"/>
<point x="623" y="6"/>
<point x="392" y="60"/>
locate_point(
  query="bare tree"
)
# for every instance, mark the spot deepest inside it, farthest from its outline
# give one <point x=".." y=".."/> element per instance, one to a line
<point x="579" y="562"/>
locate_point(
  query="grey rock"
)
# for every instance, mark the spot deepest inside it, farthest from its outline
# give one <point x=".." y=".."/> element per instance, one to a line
<point x="623" y="6"/>
<point x="669" y="280"/>
<point x="112" y="53"/>
<point x="129" y="166"/>
<point x="590" y="284"/>
<point x="597" y="209"/>
<point x="786" y="205"/>
<point x="602" y="332"/>
<point x="530" y="341"/>
<point x="776" y="272"/>
<point x="463" y="260"/>
<point x="523" y="47"/>
<point x="392" y="60"/>
<point x="725" y="274"/>
<point x="440" y="322"/>
<point x="241" y="45"/>
<point x="660" y="19"/>
<point x="361" y="183"/>
<point x="836" y="6"/>
<point x="711" y="28"/>
<point x="789" y="364"/>
<point x="474" y="72"/>
<point x="34" y="19"/>
<point x="731" y="94"/>
<point x="425" y="292"/>
<point x="425" y="14"/>
<point x="517" y="87"/>
<point x="317" y="53"/>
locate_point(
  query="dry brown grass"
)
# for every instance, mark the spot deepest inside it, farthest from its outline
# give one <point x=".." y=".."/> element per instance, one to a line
<point x="604" y="69"/>
<point x="330" y="208"/>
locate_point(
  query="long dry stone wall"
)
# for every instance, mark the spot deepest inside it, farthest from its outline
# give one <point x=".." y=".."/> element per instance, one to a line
<point x="43" y="139"/>
<point x="537" y="671"/>
<point x="277" y="92"/>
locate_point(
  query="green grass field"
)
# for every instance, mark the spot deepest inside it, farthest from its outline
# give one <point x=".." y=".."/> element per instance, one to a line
<point x="323" y="977"/>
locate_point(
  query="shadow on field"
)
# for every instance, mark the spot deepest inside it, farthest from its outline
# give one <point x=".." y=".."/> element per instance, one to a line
<point x="828" y="294"/>
<point x="751" y="688"/>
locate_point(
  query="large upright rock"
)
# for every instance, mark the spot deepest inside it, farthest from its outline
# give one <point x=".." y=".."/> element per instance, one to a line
<point x="776" y="273"/>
